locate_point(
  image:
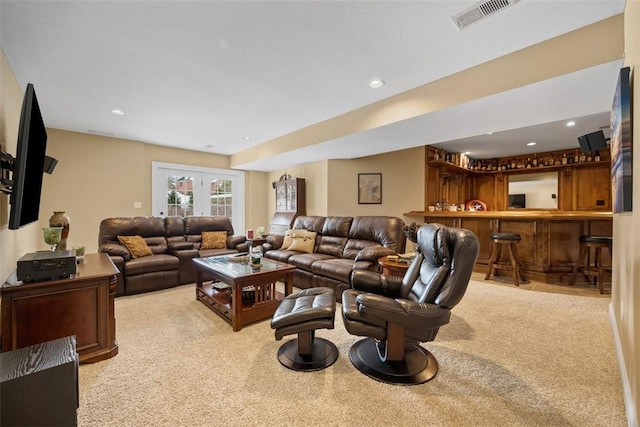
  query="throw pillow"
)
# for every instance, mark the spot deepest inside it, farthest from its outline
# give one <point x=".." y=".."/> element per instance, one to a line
<point x="136" y="245"/>
<point x="303" y="241"/>
<point x="288" y="239"/>
<point x="214" y="240"/>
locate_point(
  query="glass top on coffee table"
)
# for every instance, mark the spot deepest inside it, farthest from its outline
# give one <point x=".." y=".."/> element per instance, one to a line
<point x="223" y="264"/>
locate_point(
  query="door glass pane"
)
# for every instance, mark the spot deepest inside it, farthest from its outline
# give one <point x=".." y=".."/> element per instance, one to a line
<point x="221" y="197"/>
<point x="179" y="195"/>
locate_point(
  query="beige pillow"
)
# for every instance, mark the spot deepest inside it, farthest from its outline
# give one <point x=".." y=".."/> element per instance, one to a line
<point x="214" y="240"/>
<point x="303" y="241"/>
<point x="136" y="245"/>
<point x="288" y="239"/>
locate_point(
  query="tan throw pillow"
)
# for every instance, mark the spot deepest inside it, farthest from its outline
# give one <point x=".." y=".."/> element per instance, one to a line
<point x="214" y="240"/>
<point x="303" y="241"/>
<point x="136" y="245"/>
<point x="288" y="239"/>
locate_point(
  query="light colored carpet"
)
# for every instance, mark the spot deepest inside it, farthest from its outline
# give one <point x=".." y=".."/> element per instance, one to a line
<point x="508" y="357"/>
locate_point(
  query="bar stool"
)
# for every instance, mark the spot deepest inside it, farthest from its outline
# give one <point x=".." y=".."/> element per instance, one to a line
<point x="514" y="264"/>
<point x="595" y="270"/>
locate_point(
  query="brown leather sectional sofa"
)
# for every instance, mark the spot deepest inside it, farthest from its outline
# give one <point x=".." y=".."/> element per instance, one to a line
<point x="342" y="245"/>
<point x="174" y="241"/>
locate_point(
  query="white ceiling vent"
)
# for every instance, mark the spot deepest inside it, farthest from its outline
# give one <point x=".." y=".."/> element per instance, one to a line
<point x="480" y="11"/>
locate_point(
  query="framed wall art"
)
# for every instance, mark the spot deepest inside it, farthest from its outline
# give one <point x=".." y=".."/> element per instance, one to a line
<point x="369" y="188"/>
<point x="622" y="144"/>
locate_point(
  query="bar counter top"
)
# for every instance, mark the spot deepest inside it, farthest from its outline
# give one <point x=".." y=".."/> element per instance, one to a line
<point x="515" y="214"/>
<point x="550" y="238"/>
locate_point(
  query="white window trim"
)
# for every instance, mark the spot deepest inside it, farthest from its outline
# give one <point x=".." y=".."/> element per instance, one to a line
<point x="157" y="186"/>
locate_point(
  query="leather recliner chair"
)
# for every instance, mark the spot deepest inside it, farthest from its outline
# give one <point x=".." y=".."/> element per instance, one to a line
<point x="396" y="314"/>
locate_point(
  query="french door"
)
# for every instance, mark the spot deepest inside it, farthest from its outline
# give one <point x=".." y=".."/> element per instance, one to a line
<point x="180" y="190"/>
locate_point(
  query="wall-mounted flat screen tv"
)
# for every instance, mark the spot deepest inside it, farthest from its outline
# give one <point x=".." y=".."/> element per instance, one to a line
<point x="593" y="141"/>
<point x="29" y="163"/>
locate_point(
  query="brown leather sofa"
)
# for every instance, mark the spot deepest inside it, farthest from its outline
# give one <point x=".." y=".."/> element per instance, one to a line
<point x="342" y="245"/>
<point x="174" y="241"/>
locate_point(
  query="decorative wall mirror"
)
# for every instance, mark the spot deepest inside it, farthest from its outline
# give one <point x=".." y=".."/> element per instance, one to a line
<point x="533" y="190"/>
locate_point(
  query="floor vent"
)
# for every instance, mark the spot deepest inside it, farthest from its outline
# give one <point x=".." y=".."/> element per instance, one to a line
<point x="480" y="11"/>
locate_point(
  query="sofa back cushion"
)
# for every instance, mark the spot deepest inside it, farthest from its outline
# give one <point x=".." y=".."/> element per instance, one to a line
<point x="174" y="226"/>
<point x="368" y="231"/>
<point x="195" y="225"/>
<point x="311" y="223"/>
<point x="151" y="229"/>
<point x="335" y="233"/>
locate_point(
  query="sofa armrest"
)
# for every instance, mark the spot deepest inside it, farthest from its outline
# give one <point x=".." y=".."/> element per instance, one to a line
<point x="113" y="249"/>
<point x="274" y="241"/>
<point x="175" y="247"/>
<point x="235" y="240"/>
<point x="187" y="254"/>
<point x="372" y="253"/>
<point x="381" y="284"/>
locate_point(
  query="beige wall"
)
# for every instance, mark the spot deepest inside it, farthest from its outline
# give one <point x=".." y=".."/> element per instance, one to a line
<point x="332" y="186"/>
<point x="13" y="243"/>
<point x="402" y="184"/>
<point x="625" y="295"/>
<point x="315" y="176"/>
<point x="99" y="177"/>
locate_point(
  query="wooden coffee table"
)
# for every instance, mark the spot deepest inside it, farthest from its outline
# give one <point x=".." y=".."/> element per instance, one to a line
<point x="261" y="298"/>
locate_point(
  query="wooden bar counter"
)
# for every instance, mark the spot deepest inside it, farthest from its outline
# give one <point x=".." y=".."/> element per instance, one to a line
<point x="549" y="247"/>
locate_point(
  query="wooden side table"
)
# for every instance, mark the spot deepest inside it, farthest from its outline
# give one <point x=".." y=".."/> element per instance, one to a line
<point x="81" y="305"/>
<point x="392" y="268"/>
<point x="257" y="241"/>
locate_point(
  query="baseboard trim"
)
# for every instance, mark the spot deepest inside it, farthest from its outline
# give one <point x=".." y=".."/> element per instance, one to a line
<point x="632" y="415"/>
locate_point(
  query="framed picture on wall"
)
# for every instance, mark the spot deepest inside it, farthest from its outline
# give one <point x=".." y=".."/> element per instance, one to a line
<point x="622" y="144"/>
<point x="369" y="188"/>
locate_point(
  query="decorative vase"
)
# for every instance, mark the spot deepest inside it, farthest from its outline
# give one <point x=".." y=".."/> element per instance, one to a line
<point x="60" y="219"/>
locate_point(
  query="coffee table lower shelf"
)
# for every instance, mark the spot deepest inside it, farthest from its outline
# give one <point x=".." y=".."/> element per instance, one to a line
<point x="221" y="303"/>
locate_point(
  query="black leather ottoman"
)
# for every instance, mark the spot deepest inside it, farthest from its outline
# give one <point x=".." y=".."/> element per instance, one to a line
<point x="302" y="313"/>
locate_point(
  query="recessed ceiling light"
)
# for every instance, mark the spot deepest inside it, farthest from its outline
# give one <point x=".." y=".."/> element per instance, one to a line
<point x="531" y="143"/>
<point x="466" y="153"/>
<point x="117" y="112"/>
<point x="571" y="123"/>
<point x="376" y="83"/>
<point x="209" y="146"/>
<point x="489" y="133"/>
<point x="247" y="138"/>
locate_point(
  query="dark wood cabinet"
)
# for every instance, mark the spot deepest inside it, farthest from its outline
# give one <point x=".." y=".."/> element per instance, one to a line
<point x="39" y="384"/>
<point x="82" y="306"/>
<point x="290" y="203"/>
<point x="582" y="186"/>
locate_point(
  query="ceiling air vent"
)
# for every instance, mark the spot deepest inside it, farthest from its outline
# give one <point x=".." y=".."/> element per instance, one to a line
<point x="480" y="11"/>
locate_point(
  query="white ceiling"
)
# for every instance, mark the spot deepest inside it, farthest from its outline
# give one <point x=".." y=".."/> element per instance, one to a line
<point x="202" y="75"/>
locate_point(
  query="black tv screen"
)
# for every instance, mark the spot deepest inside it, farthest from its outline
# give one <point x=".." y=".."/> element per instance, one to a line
<point x="593" y="141"/>
<point x="517" y="201"/>
<point x="29" y="163"/>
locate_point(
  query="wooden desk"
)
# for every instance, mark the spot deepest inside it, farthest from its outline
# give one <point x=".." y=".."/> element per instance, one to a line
<point x="82" y="305"/>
